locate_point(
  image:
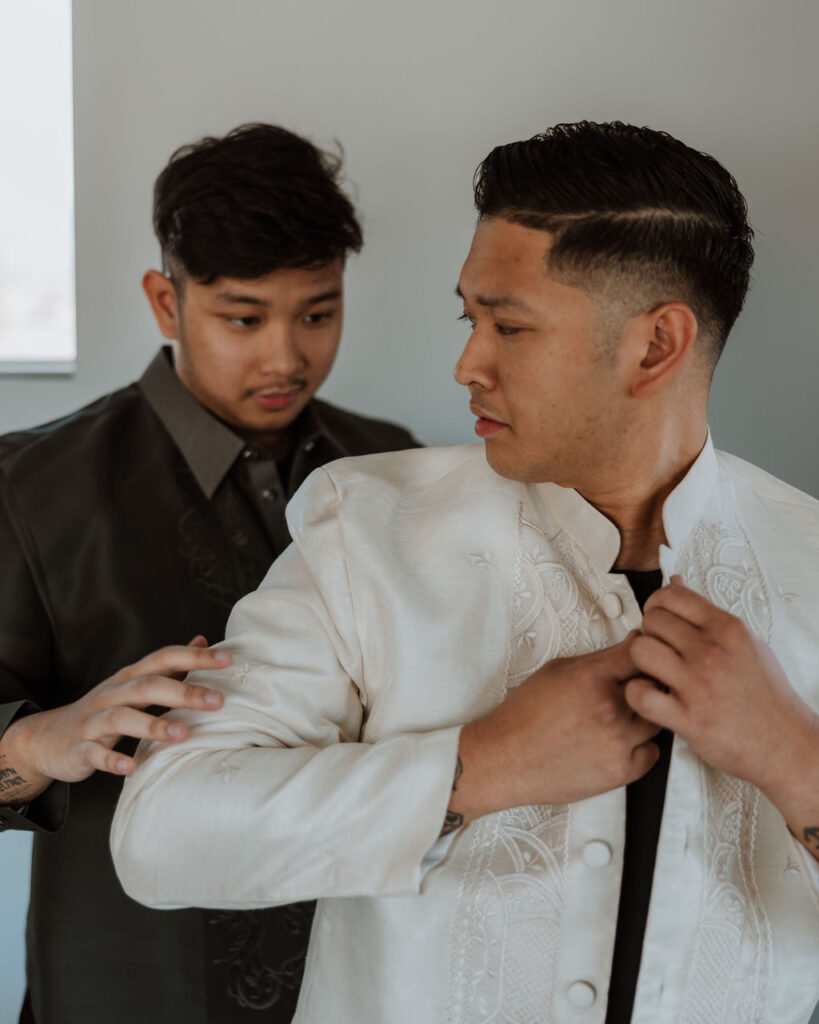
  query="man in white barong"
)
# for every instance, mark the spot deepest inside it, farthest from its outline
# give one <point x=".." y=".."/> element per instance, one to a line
<point x="518" y="796"/>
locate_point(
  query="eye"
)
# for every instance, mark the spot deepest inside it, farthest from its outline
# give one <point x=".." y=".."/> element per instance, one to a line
<point x="243" y="321"/>
<point x="466" y="318"/>
<point x="506" y="332"/>
<point x="318" y="318"/>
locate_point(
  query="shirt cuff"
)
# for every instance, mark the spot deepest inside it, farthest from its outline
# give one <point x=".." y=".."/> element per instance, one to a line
<point x="436" y="853"/>
<point x="810" y="868"/>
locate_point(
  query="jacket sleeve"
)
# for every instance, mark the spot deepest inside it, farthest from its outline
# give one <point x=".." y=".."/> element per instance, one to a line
<point x="26" y="641"/>
<point x="274" y="798"/>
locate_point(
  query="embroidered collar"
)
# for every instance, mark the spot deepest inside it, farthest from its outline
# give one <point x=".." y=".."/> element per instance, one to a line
<point x="600" y="538"/>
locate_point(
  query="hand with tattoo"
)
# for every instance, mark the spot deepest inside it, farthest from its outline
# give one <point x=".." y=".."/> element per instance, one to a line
<point x="727" y="696"/>
<point x="72" y="742"/>
<point x="564" y="734"/>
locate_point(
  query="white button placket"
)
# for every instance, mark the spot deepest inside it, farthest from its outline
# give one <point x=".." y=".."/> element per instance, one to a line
<point x="612" y="605"/>
<point x="581" y="994"/>
<point x="597" y="854"/>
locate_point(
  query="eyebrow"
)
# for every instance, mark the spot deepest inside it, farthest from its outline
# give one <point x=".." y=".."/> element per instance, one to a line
<point x="502" y="300"/>
<point x="240" y="299"/>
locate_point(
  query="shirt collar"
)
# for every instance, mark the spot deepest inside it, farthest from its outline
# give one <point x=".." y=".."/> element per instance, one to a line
<point x="311" y="428"/>
<point x="600" y="538"/>
<point x="684" y="506"/>
<point x="207" y="445"/>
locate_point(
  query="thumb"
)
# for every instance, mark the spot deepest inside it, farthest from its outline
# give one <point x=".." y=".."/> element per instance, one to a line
<point x="198" y="641"/>
<point x="617" y="659"/>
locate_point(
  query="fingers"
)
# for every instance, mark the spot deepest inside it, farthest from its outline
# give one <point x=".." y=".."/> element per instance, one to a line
<point x="127" y="721"/>
<point x="178" y="660"/>
<point x="642" y="730"/>
<point x="643" y="759"/>
<point x="676" y="597"/>
<point x="616" y="661"/>
<point x="198" y="641"/>
<point x="99" y="758"/>
<point x="165" y="692"/>
<point x="653" y="657"/>
<point x="678" y="633"/>
<point x="650" y="703"/>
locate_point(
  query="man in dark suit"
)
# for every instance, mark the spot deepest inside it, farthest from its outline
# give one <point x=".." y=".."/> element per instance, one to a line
<point x="135" y="524"/>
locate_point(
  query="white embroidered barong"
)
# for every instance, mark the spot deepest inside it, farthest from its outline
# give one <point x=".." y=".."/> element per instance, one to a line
<point x="420" y="587"/>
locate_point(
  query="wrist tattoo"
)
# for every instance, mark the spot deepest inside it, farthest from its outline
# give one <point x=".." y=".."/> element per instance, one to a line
<point x="453" y="820"/>
<point x="11" y="782"/>
<point x="811" y="837"/>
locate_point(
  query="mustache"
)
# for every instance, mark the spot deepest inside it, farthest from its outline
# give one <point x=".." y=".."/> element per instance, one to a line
<point x="284" y="387"/>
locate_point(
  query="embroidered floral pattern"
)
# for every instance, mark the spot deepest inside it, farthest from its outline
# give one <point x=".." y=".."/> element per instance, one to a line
<point x="556" y="603"/>
<point x="510" y="901"/>
<point x="223" y="571"/>
<point x="731" y="968"/>
<point x="509" y="917"/>
<point x="263" y="952"/>
<point x="511" y="896"/>
<point x="724" y="568"/>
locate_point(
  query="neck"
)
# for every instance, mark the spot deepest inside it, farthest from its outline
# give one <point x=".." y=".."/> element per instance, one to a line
<point x="634" y="500"/>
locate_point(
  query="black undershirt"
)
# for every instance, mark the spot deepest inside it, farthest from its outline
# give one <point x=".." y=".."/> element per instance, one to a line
<point x="644" y="812"/>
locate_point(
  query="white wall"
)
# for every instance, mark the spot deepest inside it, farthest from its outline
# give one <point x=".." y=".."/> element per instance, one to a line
<point x="418" y="93"/>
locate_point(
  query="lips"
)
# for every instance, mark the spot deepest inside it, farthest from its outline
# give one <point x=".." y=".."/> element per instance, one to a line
<point x="272" y="397"/>
<point x="274" y="400"/>
<point x="486" y="425"/>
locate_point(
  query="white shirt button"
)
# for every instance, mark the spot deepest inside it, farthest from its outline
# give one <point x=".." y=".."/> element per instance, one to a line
<point x="612" y="606"/>
<point x="581" y="994"/>
<point x="596" y="854"/>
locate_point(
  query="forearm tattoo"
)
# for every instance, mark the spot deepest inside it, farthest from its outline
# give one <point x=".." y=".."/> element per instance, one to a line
<point x="453" y="820"/>
<point x="12" y="785"/>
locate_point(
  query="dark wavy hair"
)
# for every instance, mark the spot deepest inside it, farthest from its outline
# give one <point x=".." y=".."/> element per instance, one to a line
<point x="257" y="200"/>
<point x="633" y="208"/>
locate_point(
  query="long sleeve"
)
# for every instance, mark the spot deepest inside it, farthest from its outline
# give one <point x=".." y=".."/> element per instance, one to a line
<point x="25" y="664"/>
<point x="275" y="798"/>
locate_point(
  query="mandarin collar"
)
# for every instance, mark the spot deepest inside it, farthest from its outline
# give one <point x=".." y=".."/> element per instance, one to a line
<point x="684" y="507"/>
<point x="597" y="535"/>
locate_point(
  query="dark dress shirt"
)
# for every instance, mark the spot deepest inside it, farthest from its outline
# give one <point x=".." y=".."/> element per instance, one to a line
<point x="136" y="522"/>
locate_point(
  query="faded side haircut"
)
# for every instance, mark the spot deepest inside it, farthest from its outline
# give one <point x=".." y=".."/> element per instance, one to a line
<point x="635" y="215"/>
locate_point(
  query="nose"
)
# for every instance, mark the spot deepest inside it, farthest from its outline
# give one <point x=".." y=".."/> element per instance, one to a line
<point x="280" y="354"/>
<point x="476" y="363"/>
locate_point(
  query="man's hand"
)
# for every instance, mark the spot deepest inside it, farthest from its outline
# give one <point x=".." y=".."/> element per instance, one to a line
<point x="72" y="742"/>
<point x="729" y="699"/>
<point x="566" y="733"/>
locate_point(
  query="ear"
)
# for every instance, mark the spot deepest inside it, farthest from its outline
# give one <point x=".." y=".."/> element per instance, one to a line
<point x="164" y="300"/>
<point x="660" y="342"/>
